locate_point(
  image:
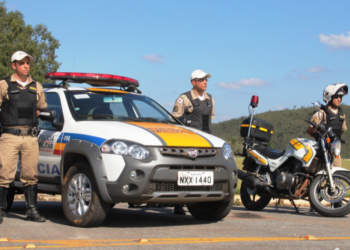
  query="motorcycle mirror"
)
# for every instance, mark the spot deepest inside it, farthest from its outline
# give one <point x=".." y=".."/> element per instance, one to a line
<point x="317" y="106"/>
<point x="254" y="101"/>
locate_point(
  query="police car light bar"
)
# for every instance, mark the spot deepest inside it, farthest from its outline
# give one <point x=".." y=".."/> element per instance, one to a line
<point x="93" y="79"/>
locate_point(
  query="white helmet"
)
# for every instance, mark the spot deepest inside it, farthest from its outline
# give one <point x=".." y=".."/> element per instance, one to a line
<point x="334" y="89"/>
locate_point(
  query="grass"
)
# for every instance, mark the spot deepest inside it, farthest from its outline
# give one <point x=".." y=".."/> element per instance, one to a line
<point x="345" y="164"/>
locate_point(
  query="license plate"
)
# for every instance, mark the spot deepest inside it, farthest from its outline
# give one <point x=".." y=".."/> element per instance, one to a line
<point x="191" y="178"/>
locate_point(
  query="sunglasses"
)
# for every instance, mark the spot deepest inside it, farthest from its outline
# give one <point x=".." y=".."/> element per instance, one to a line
<point x="22" y="63"/>
<point x="201" y="80"/>
<point x="338" y="96"/>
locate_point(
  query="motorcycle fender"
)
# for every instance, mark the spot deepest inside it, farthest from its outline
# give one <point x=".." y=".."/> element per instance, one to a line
<point x="334" y="169"/>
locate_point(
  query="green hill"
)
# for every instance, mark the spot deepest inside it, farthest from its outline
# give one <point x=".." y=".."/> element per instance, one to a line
<point x="288" y="124"/>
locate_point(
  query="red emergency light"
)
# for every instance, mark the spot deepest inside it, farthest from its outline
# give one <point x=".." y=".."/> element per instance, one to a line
<point x="93" y="79"/>
<point x="254" y="101"/>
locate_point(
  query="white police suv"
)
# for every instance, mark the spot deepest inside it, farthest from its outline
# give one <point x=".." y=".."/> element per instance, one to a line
<point x="104" y="145"/>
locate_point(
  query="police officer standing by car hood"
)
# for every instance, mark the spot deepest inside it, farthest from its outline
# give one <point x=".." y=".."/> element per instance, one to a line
<point x="21" y="98"/>
<point x="196" y="107"/>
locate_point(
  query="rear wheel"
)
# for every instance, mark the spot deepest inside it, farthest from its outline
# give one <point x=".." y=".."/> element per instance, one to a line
<point x="81" y="202"/>
<point x="326" y="202"/>
<point x="211" y="211"/>
<point x="252" y="199"/>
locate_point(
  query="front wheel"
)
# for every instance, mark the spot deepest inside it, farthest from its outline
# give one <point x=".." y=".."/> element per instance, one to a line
<point x="211" y="211"/>
<point x="251" y="198"/>
<point x="326" y="202"/>
<point x="81" y="202"/>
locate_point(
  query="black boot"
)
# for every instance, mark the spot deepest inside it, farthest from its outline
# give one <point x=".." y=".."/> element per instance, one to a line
<point x="31" y="195"/>
<point x="3" y="193"/>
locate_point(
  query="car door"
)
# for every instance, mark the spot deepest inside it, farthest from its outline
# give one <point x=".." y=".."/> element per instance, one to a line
<point x="49" y="143"/>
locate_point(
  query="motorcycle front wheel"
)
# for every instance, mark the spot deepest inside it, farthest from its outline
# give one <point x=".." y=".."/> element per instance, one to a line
<point x="326" y="202"/>
<point x="251" y="198"/>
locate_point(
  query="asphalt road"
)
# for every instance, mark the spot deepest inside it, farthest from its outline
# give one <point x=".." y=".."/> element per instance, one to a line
<point x="272" y="228"/>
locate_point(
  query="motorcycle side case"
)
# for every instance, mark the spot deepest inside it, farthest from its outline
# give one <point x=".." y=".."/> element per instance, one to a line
<point x="260" y="130"/>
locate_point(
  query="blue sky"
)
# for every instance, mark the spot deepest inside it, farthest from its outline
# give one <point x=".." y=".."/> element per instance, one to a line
<point x="286" y="52"/>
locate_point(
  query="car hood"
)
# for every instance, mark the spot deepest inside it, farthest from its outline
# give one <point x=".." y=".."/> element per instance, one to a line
<point x="153" y="134"/>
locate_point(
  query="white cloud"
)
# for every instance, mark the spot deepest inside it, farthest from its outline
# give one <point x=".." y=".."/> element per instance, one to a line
<point x="224" y="118"/>
<point x="317" y="69"/>
<point x="336" y="41"/>
<point x="153" y="58"/>
<point x="305" y="77"/>
<point x="280" y="108"/>
<point x="252" y="82"/>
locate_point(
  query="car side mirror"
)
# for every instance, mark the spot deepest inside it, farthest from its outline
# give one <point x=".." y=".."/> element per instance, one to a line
<point x="47" y="115"/>
<point x="185" y="121"/>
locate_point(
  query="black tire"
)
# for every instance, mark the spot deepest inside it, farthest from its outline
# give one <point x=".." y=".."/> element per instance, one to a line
<point x="257" y="203"/>
<point x="9" y="198"/>
<point x="96" y="210"/>
<point x="211" y="211"/>
<point x="326" y="209"/>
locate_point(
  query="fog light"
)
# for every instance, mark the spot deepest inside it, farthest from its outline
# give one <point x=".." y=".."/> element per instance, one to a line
<point x="125" y="188"/>
<point x="233" y="174"/>
<point x="133" y="174"/>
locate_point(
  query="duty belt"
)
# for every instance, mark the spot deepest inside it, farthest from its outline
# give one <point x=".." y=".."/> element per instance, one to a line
<point x="14" y="131"/>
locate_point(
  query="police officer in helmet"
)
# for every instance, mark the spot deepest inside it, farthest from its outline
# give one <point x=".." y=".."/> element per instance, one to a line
<point x="332" y="115"/>
<point x="195" y="108"/>
<point x="21" y="98"/>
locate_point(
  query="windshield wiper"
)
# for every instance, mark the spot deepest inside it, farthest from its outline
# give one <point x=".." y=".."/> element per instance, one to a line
<point x="110" y="116"/>
<point x="156" y="120"/>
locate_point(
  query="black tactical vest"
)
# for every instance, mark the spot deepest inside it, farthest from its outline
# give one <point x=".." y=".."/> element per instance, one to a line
<point x="201" y="115"/>
<point x="20" y="108"/>
<point x="334" y="120"/>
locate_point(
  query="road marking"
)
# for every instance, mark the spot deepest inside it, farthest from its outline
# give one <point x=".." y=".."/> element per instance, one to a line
<point x="165" y="241"/>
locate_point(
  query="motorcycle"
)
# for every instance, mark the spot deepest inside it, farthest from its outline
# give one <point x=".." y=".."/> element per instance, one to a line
<point x="302" y="171"/>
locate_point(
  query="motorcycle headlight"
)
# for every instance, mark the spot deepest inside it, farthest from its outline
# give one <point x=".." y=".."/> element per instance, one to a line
<point x="228" y="154"/>
<point x="336" y="148"/>
<point x="136" y="151"/>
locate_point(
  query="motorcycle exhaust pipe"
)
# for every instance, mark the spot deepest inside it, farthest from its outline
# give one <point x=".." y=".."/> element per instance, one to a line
<point x="252" y="181"/>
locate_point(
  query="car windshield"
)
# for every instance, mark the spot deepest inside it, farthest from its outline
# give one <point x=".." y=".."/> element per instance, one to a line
<point x="109" y="106"/>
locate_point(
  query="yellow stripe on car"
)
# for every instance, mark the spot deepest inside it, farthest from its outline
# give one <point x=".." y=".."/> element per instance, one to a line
<point x="108" y="90"/>
<point x="174" y="136"/>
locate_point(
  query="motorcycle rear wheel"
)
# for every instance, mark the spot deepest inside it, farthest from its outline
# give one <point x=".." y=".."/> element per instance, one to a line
<point x="251" y="198"/>
<point x="326" y="203"/>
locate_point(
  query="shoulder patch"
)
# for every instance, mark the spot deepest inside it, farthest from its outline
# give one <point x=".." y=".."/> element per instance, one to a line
<point x="175" y="109"/>
<point x="32" y="88"/>
<point x="179" y="100"/>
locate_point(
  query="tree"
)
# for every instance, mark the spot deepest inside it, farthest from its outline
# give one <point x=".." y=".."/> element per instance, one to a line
<point x="38" y="42"/>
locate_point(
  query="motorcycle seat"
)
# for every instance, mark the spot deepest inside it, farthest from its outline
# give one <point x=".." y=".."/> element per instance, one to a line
<point x="270" y="152"/>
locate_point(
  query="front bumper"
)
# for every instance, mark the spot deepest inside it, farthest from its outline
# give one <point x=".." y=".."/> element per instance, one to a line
<point x="158" y="181"/>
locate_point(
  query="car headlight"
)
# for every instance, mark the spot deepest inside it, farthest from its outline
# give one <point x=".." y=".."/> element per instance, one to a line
<point x="137" y="151"/>
<point x="336" y="148"/>
<point x="228" y="154"/>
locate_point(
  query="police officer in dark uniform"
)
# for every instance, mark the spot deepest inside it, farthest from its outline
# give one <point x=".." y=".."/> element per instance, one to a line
<point x="332" y="115"/>
<point x="195" y="108"/>
<point x="21" y="98"/>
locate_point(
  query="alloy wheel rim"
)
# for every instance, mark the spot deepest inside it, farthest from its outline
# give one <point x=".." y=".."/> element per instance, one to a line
<point x="79" y="194"/>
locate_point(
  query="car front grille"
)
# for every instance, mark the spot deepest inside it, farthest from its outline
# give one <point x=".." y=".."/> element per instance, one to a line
<point x="183" y="152"/>
<point x="152" y="187"/>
